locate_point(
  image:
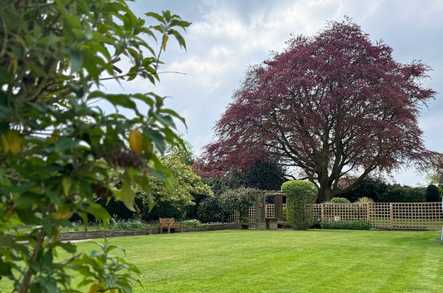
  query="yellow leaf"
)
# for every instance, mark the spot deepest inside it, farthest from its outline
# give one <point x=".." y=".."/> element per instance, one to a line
<point x="136" y="141"/>
<point x="5" y="145"/>
<point x="54" y="136"/>
<point x="164" y="41"/>
<point x="12" y="142"/>
<point x="95" y="288"/>
<point x="62" y="214"/>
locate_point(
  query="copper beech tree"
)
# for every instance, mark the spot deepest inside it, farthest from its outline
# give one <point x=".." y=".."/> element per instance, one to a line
<point x="329" y="106"/>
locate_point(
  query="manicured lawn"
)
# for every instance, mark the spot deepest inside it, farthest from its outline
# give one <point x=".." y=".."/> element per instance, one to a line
<point x="288" y="261"/>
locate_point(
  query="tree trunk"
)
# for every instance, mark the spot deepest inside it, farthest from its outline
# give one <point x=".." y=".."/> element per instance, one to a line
<point x="324" y="193"/>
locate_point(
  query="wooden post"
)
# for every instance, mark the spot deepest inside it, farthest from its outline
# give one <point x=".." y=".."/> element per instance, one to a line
<point x="260" y="214"/>
<point x="368" y="210"/>
<point x="278" y="205"/>
<point x="322" y="212"/>
<point x="391" y="214"/>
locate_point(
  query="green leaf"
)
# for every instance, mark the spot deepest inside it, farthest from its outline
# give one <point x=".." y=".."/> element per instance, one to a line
<point x="27" y="216"/>
<point x="181" y="41"/>
<point x="66" y="185"/>
<point x="68" y="247"/>
<point x="5" y="269"/>
<point x="157" y="16"/>
<point x="99" y="212"/>
<point x="126" y="194"/>
<point x="76" y="60"/>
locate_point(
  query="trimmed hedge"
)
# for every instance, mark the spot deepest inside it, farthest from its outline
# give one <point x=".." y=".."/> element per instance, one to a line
<point x="339" y="200"/>
<point x="350" y="225"/>
<point x="298" y="194"/>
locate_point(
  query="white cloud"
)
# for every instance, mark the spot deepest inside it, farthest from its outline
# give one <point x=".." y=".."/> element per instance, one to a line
<point x="228" y="36"/>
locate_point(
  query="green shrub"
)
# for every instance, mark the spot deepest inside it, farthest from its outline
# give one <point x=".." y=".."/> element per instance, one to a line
<point x="365" y="199"/>
<point x="191" y="222"/>
<point x="399" y="193"/>
<point x="126" y="225"/>
<point x="350" y="225"/>
<point x="433" y="193"/>
<point x="240" y="199"/>
<point x="339" y="200"/>
<point x="299" y="193"/>
<point x="381" y="191"/>
<point x="285" y="213"/>
<point x="211" y="210"/>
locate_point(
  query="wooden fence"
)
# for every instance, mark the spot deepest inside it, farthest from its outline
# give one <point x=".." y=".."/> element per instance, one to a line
<point x="380" y="215"/>
<point x="252" y="213"/>
<point x="394" y="215"/>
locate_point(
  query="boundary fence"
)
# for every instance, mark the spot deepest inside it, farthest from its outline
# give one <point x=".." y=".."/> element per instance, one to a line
<point x="379" y="215"/>
<point x="392" y="215"/>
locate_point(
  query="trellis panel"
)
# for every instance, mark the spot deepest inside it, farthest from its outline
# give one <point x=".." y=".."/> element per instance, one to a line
<point x="394" y="215"/>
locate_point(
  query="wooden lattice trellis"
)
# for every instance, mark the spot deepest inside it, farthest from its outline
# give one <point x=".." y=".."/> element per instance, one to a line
<point x="269" y="211"/>
<point x="234" y="217"/>
<point x="252" y="215"/>
<point x="396" y="215"/>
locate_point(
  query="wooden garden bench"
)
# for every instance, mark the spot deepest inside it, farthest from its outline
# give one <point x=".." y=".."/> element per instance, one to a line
<point x="167" y="224"/>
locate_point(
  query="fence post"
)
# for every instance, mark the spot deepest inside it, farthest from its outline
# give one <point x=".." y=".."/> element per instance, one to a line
<point x="368" y="210"/>
<point x="391" y="214"/>
<point x="322" y="212"/>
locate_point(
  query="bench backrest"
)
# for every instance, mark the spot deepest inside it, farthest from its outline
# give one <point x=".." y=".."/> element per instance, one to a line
<point x="167" y="222"/>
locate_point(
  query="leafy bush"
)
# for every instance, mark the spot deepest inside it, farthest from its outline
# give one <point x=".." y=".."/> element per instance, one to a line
<point x="127" y="225"/>
<point x="285" y="213"/>
<point x="369" y="187"/>
<point x="381" y="191"/>
<point x="211" y="210"/>
<point x="433" y="193"/>
<point x="365" y="199"/>
<point x="104" y="272"/>
<point x="240" y="199"/>
<point x="191" y="222"/>
<point x="339" y="200"/>
<point x="298" y="194"/>
<point x="399" y="193"/>
<point x="351" y="225"/>
<point x="164" y="209"/>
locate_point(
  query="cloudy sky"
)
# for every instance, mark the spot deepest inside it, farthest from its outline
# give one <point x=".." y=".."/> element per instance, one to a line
<point x="226" y="37"/>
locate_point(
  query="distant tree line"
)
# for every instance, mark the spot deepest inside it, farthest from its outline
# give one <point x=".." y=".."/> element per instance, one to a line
<point x="381" y="191"/>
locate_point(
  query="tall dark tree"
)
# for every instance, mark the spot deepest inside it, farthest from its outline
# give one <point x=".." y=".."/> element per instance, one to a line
<point x="373" y="188"/>
<point x="261" y="174"/>
<point x="330" y="106"/>
<point x="266" y="175"/>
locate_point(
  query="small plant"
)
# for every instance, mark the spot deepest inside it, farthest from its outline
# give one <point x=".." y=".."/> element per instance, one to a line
<point x="103" y="272"/>
<point x="365" y="199"/>
<point x="339" y="200"/>
<point x="127" y="225"/>
<point x="192" y="222"/>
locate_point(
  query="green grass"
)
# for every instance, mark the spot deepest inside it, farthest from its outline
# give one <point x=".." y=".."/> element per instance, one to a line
<point x="287" y="261"/>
